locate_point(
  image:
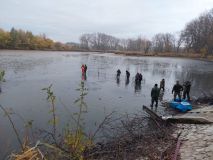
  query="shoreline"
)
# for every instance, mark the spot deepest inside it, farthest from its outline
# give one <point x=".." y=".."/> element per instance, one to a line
<point x="196" y="139"/>
<point x="194" y="56"/>
<point x="169" y="55"/>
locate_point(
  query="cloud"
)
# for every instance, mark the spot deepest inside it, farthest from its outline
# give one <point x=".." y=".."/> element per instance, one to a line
<point x="66" y="20"/>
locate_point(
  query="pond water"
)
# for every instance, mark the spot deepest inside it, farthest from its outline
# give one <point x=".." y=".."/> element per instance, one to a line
<point x="27" y="72"/>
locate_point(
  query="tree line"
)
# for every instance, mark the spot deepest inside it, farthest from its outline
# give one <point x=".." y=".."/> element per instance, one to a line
<point x="198" y="34"/>
<point x="196" y="37"/>
<point x="19" y="39"/>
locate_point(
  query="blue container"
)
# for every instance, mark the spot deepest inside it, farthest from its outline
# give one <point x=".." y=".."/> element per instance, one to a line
<point x="182" y="106"/>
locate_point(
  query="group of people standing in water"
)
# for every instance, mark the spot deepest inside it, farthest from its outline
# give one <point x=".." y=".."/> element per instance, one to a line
<point x="138" y="79"/>
<point x="155" y="92"/>
<point x="138" y="76"/>
<point x="177" y="91"/>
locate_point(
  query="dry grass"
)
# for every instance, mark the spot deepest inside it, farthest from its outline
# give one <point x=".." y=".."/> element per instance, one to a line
<point x="167" y="54"/>
<point x="133" y="137"/>
<point x="29" y="153"/>
<point x="210" y="58"/>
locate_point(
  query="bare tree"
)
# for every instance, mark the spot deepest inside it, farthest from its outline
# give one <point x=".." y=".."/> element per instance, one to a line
<point x="163" y="42"/>
<point x="198" y="34"/>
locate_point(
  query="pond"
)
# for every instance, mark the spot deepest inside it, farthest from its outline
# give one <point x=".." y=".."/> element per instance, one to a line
<point x="27" y="72"/>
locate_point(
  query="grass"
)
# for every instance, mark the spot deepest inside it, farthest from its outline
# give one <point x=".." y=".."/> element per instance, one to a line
<point x="51" y="98"/>
<point x="8" y="115"/>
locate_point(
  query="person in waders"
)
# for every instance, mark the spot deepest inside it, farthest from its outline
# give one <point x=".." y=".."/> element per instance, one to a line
<point x="155" y="95"/>
<point x="186" y="90"/>
<point x="85" y="68"/>
<point x="82" y="69"/>
<point x="177" y="88"/>
<point x="162" y="84"/>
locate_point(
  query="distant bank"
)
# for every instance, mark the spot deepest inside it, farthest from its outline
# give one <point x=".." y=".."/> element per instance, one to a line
<point x="132" y="53"/>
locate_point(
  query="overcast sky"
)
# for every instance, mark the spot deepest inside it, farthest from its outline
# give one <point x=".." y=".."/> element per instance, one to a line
<point x="66" y="20"/>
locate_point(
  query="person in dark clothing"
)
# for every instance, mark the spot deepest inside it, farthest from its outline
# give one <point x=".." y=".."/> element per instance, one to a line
<point x="177" y="88"/>
<point x="137" y="78"/>
<point x="155" y="95"/>
<point x="161" y="94"/>
<point x="118" y="73"/>
<point x="85" y="68"/>
<point x="186" y="90"/>
<point x="140" y="77"/>
<point x="162" y="84"/>
<point x="127" y="78"/>
<point x="127" y="74"/>
<point x="118" y="77"/>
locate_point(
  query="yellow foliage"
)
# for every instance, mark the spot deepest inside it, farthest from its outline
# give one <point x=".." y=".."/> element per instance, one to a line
<point x="77" y="143"/>
<point x="203" y="52"/>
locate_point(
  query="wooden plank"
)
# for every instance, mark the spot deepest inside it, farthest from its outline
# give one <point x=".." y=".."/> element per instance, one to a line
<point x="189" y="120"/>
<point x="153" y="115"/>
<point x="177" y="119"/>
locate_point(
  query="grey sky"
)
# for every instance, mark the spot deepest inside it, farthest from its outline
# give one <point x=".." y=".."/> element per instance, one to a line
<point x="66" y="20"/>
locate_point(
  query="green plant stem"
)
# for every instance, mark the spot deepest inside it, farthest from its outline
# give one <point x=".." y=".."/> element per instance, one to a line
<point x="54" y="117"/>
<point x="14" y="128"/>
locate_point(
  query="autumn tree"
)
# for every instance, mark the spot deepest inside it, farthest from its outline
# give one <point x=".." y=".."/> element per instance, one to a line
<point x="4" y="39"/>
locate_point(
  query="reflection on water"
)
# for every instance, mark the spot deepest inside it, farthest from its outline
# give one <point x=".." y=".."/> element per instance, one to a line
<point x="29" y="71"/>
<point x="137" y="87"/>
<point x="127" y="82"/>
<point x="81" y="103"/>
<point x="84" y="76"/>
<point x="118" y="80"/>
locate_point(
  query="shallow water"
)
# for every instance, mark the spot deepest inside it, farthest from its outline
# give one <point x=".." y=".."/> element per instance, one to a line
<point x="27" y="72"/>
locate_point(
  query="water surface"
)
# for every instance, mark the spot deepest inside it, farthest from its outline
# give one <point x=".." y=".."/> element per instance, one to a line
<point x="27" y="72"/>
